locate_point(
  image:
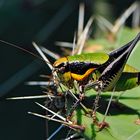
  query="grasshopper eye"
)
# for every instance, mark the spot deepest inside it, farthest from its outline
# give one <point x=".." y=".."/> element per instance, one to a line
<point x="62" y="70"/>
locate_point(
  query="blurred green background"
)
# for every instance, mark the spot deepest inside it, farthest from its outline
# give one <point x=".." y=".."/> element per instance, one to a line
<point x="42" y="21"/>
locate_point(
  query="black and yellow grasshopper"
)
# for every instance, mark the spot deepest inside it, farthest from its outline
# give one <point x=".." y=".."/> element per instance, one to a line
<point x="100" y="71"/>
<point x="106" y="70"/>
<point x="109" y="69"/>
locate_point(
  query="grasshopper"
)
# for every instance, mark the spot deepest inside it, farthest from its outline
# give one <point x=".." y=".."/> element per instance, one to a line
<point x="109" y="69"/>
<point x="101" y="71"/>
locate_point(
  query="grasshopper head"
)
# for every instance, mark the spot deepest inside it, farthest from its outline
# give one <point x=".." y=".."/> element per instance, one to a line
<point x="61" y="67"/>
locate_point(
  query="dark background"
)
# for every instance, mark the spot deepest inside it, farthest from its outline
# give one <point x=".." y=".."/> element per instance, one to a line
<point x="44" y="21"/>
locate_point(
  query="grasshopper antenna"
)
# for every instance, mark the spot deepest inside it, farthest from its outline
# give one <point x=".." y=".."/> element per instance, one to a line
<point x="24" y="50"/>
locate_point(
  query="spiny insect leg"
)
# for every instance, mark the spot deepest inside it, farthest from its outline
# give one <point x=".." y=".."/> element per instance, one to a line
<point x="97" y="85"/>
<point x="95" y="106"/>
<point x="78" y="102"/>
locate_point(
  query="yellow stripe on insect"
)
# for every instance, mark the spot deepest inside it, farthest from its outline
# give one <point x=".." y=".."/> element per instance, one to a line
<point x="79" y="77"/>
